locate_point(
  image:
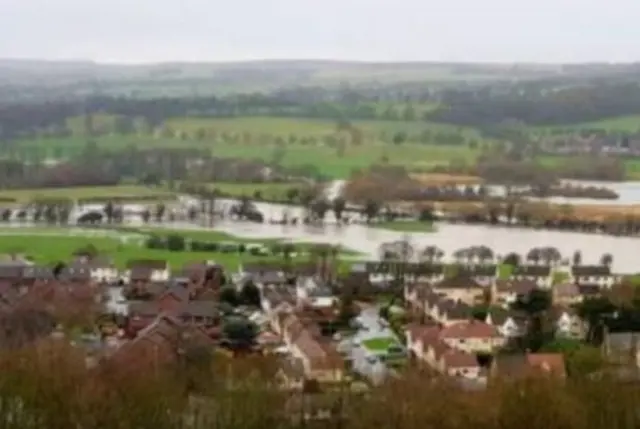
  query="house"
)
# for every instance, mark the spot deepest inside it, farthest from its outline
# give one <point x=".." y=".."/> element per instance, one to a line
<point x="101" y="268"/>
<point x="541" y="275"/>
<point x="421" y="299"/>
<point x="319" y="359"/>
<point x="13" y="268"/>
<point x="429" y="348"/>
<point x="199" y="313"/>
<point x="36" y="273"/>
<point x="472" y="336"/>
<point x="510" y="324"/>
<point x="461" y="288"/>
<point x="75" y="273"/>
<point x="447" y="311"/>
<point x="567" y="323"/>
<point x="506" y="292"/>
<point x="161" y="342"/>
<point x="529" y="364"/>
<point x="589" y="291"/>
<point x="593" y="274"/>
<point x="314" y="292"/>
<point x="147" y="270"/>
<point x="566" y="294"/>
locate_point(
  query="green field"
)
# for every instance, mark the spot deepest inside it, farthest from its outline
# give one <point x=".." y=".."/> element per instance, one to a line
<point x="285" y="127"/>
<point x="303" y="142"/>
<point x="96" y="192"/>
<point x="268" y="191"/>
<point x="406" y="226"/>
<point x="51" y="245"/>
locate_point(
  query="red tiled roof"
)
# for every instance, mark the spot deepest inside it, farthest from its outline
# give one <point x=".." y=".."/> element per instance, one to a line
<point x="458" y="359"/>
<point x="470" y="329"/>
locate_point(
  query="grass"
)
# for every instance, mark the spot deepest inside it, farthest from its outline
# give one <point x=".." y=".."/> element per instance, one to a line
<point x="406" y="226"/>
<point x="309" y="127"/>
<point x="96" y="192"/>
<point x="48" y="246"/>
<point x="218" y="236"/>
<point x="268" y="191"/>
<point x="381" y="344"/>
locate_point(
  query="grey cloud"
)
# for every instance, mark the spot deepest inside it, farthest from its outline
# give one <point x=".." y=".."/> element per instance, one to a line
<point x="199" y="30"/>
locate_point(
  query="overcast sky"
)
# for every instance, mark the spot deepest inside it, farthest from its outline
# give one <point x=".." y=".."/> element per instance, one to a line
<point x="379" y="30"/>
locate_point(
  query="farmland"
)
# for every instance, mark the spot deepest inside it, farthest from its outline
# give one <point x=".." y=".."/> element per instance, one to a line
<point x="297" y="142"/>
<point x="106" y="193"/>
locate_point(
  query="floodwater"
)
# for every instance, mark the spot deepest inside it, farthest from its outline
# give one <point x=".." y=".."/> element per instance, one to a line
<point x="448" y="237"/>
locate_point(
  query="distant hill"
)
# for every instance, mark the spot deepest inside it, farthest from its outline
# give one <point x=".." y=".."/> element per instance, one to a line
<point x="173" y="78"/>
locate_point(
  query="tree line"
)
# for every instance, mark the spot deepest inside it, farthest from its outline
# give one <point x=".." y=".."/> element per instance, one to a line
<point x="552" y="106"/>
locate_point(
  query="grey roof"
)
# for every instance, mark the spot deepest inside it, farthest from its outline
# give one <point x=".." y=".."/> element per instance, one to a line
<point x="76" y="273"/>
<point x="191" y="308"/>
<point x="141" y="273"/>
<point x="566" y="290"/>
<point x="590" y="270"/>
<point x="37" y="272"/>
<point x="519" y="287"/>
<point x="180" y="292"/>
<point x="11" y="271"/>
